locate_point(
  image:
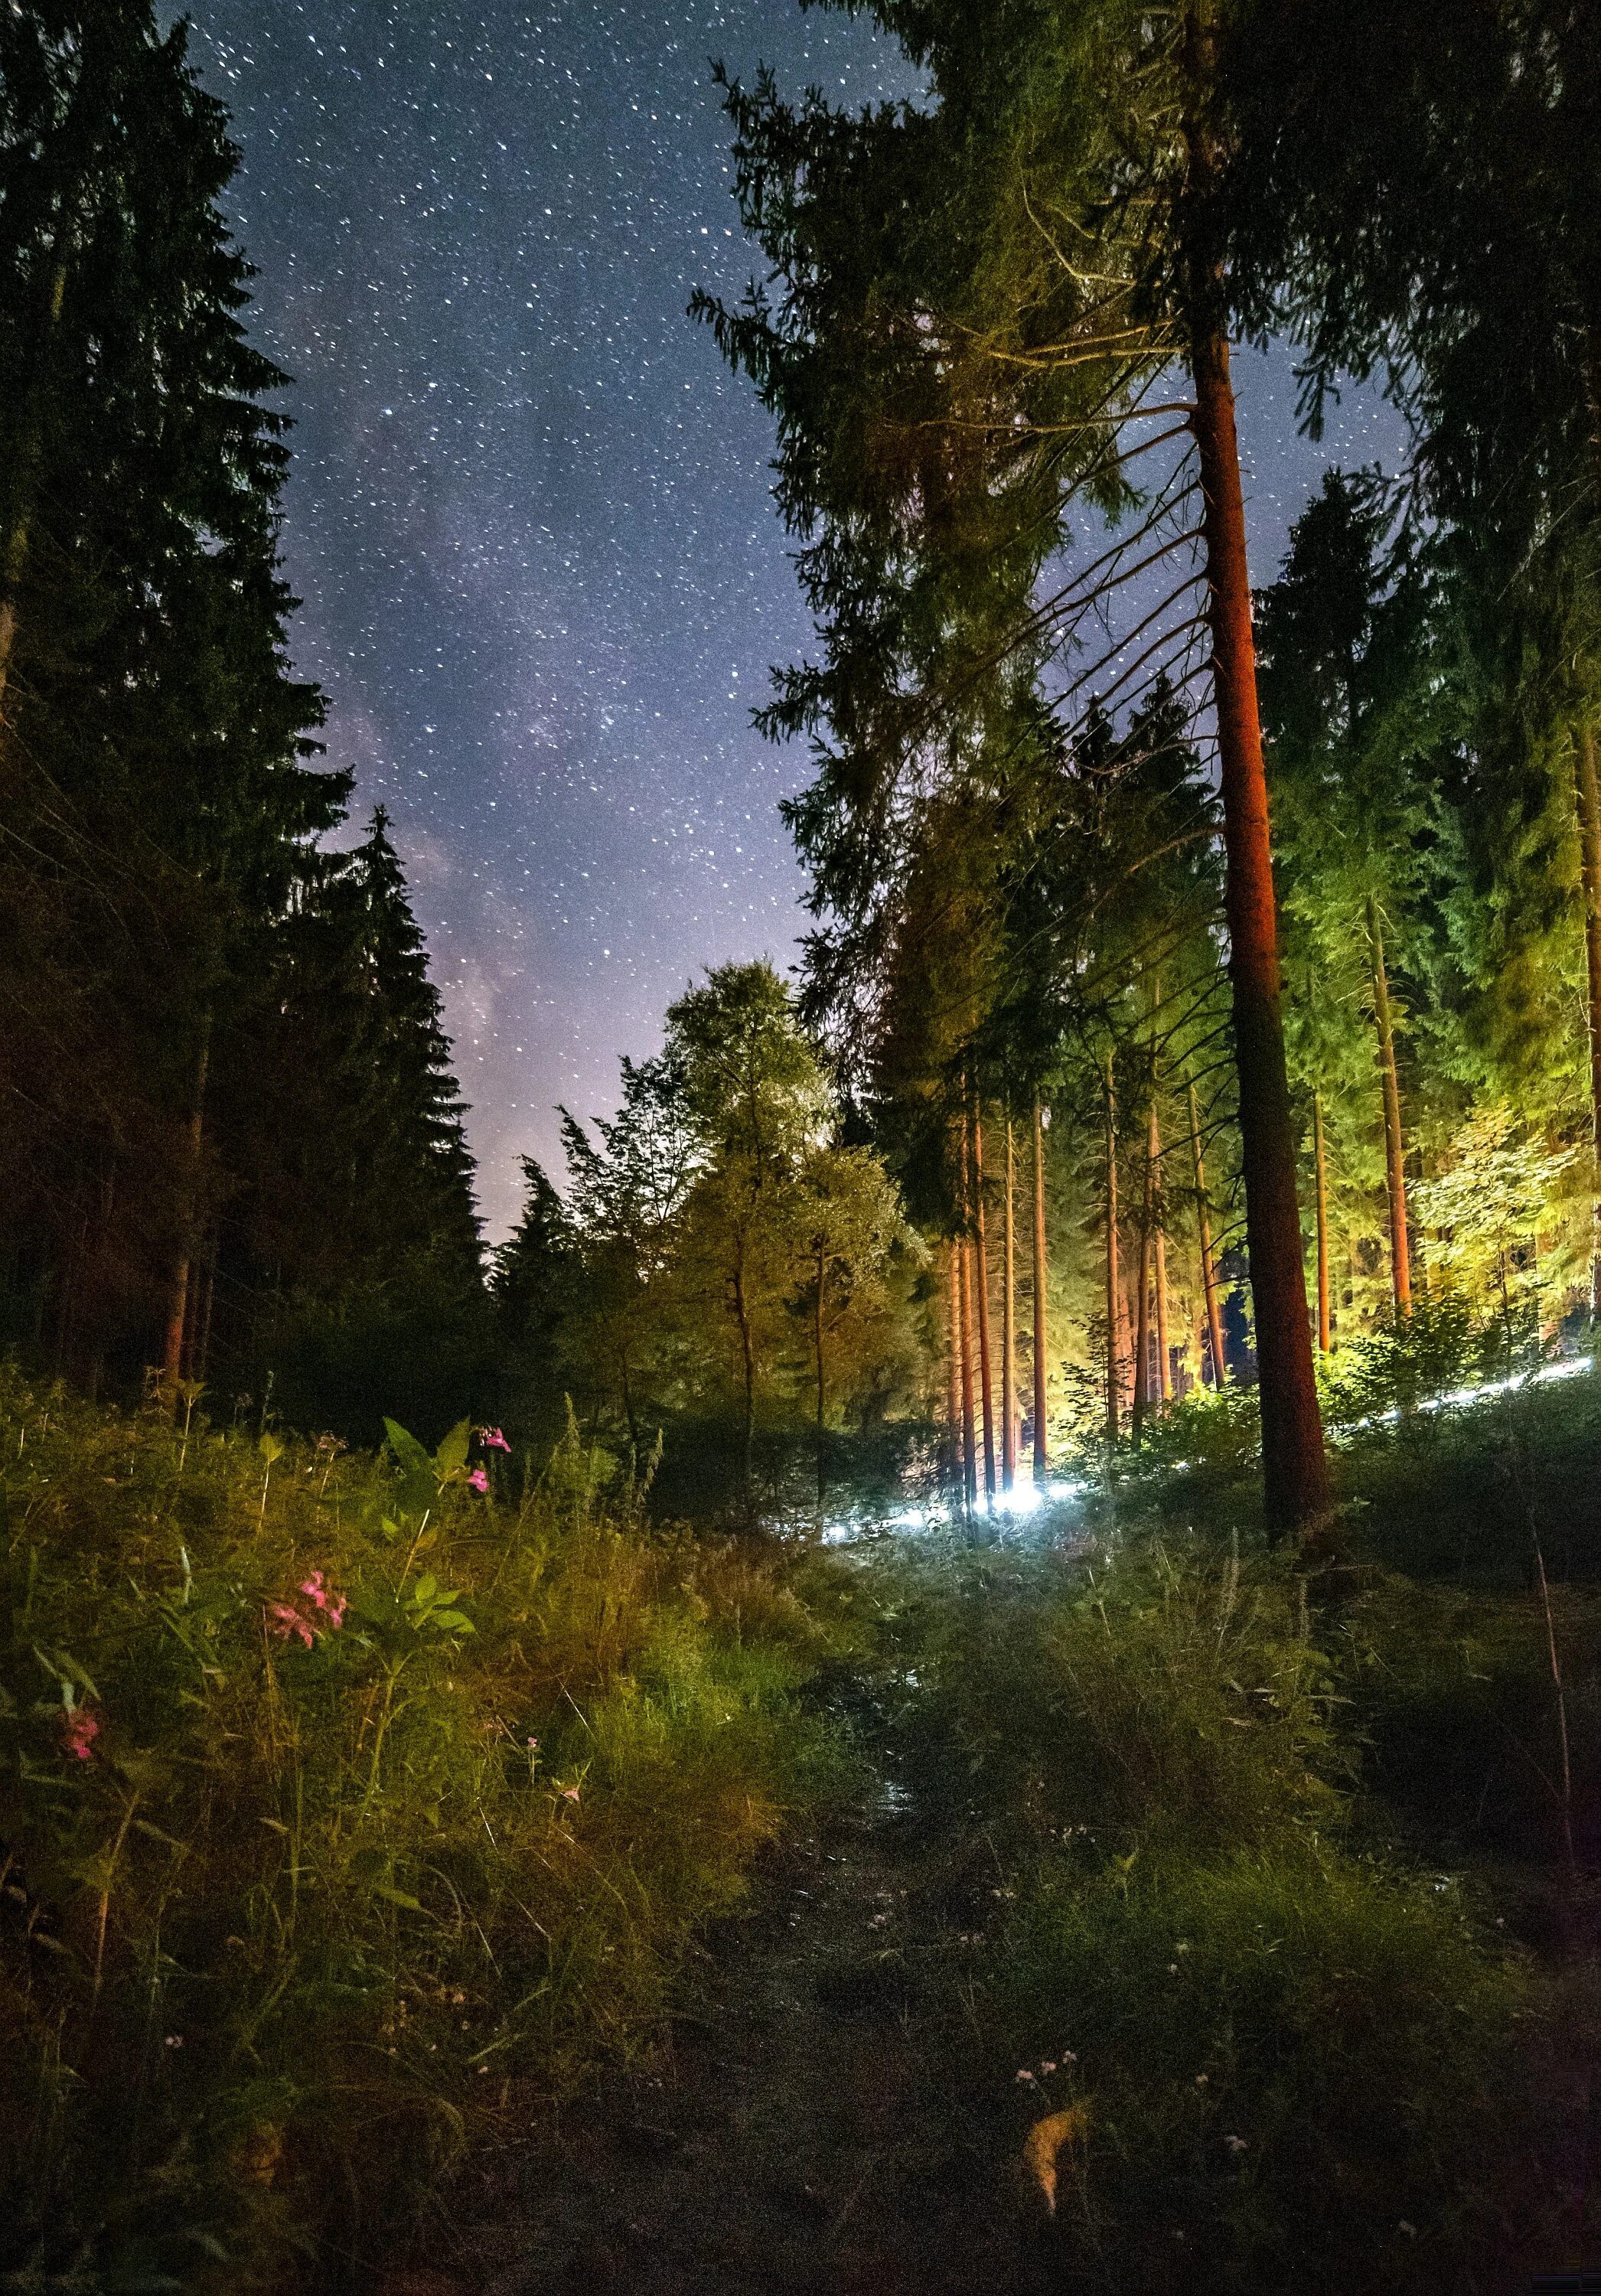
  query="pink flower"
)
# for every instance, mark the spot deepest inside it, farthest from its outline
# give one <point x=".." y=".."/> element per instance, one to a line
<point x="284" y="1619"/>
<point x="79" y="1730"/>
<point x="478" y="1481"/>
<point x="569" y="1794"/>
<point x="331" y="1605"/>
<point x="493" y="1440"/>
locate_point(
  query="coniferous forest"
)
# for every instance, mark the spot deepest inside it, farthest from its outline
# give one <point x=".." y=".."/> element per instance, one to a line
<point x="972" y="1657"/>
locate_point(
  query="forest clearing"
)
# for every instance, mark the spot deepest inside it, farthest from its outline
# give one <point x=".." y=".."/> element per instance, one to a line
<point x="955" y="1645"/>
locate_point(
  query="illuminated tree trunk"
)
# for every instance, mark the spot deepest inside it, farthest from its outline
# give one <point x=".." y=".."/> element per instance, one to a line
<point x="1041" y="1441"/>
<point x="981" y="1278"/>
<point x="1294" y="1467"/>
<point x="970" y="1467"/>
<point x="1142" y="1296"/>
<point x="1589" y="853"/>
<point x="1395" y="1165"/>
<point x="1114" y="1276"/>
<point x="953" y="1367"/>
<point x="1165" y="1363"/>
<point x="1325" y="1318"/>
<point x="818" y="1341"/>
<point x="747" y="1347"/>
<point x="1209" y="1273"/>
<point x="1009" y="1326"/>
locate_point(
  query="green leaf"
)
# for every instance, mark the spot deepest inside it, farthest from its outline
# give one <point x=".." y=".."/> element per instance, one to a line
<point x="412" y="1457"/>
<point x="271" y="1448"/>
<point x="456" y="1621"/>
<point x="450" y="1460"/>
<point x="394" y="1897"/>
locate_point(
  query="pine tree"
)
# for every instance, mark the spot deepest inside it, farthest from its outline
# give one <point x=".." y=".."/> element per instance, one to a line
<point x="991" y="379"/>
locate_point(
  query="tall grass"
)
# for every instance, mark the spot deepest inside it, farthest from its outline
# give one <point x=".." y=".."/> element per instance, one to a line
<point x="347" y="1808"/>
<point x="1262" y="2038"/>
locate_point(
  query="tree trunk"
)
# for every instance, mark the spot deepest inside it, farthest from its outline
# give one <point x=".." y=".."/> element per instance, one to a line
<point x="953" y="1369"/>
<point x="747" y="1345"/>
<point x="970" y="1456"/>
<point x="1113" y="1274"/>
<point x="1294" y="1466"/>
<point x="1041" y="1441"/>
<point x="1209" y="1273"/>
<point x="1395" y="1152"/>
<point x="1590" y="854"/>
<point x="1141" y="1292"/>
<point x="203" y="1344"/>
<point x="177" y="1309"/>
<point x="1009" y="1325"/>
<point x="1164" y="1362"/>
<point x="1325" y="1318"/>
<point x="981" y="1271"/>
<point x="818" y="1341"/>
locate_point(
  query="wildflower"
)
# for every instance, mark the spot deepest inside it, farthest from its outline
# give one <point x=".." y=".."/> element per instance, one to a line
<point x="284" y="1619"/>
<point x="478" y="1481"/>
<point x="1237" y="2144"/>
<point x="174" y="2041"/>
<point x="1409" y="2229"/>
<point x="331" y="1605"/>
<point x="79" y="1730"/>
<point x="569" y="1794"/>
<point x="1048" y="2065"/>
<point x="1024" y="2074"/>
<point x="493" y="1440"/>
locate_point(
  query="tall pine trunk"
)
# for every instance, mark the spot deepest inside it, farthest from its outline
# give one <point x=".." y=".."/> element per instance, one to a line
<point x="1589" y="856"/>
<point x="982" y="1275"/>
<point x="1009" y="1325"/>
<point x="955" y="1464"/>
<point x="1295" y="1493"/>
<point x="1395" y="1151"/>
<point x="1041" y="1441"/>
<point x="1324" y="1317"/>
<point x="747" y="1344"/>
<point x="1142" y="1309"/>
<point x="1209" y="1273"/>
<point x="1164" y="1361"/>
<point x="1114" y="1417"/>
<point x="818" y="1341"/>
<point x="970" y="1462"/>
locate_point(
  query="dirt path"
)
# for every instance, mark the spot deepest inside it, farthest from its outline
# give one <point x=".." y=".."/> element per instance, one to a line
<point x="810" y="2129"/>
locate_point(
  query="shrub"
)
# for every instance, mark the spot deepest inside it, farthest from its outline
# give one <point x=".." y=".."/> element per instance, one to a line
<point x="1293" y="2069"/>
<point x="345" y="1808"/>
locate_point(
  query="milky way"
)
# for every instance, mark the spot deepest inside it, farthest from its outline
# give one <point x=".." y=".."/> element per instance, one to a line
<point x="528" y="516"/>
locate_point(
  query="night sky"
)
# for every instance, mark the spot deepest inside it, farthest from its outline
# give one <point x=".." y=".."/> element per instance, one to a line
<point x="528" y="517"/>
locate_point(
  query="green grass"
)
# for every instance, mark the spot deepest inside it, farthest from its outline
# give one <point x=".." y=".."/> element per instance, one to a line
<point x="1271" y="1895"/>
<point x="301" y="1920"/>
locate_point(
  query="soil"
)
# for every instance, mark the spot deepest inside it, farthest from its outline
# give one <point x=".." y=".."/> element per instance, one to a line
<point x="807" y="2128"/>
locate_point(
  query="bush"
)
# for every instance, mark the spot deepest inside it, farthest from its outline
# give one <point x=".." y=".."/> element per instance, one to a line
<point x="1292" y="2069"/>
<point x="346" y="1808"/>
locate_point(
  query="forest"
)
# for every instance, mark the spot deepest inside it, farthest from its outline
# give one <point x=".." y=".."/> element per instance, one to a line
<point x="970" y="1659"/>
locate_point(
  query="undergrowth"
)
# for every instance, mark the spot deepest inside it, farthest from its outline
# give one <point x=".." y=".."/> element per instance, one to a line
<point x="1247" y="1960"/>
<point x="347" y="1810"/>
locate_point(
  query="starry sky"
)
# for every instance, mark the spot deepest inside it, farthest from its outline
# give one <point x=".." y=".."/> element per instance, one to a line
<point x="528" y="516"/>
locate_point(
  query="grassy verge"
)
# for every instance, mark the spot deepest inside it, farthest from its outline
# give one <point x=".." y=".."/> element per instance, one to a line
<point x="346" y="1808"/>
<point x="1270" y="1952"/>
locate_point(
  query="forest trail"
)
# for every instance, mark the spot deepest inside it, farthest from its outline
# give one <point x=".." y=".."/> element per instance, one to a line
<point x="809" y="2129"/>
